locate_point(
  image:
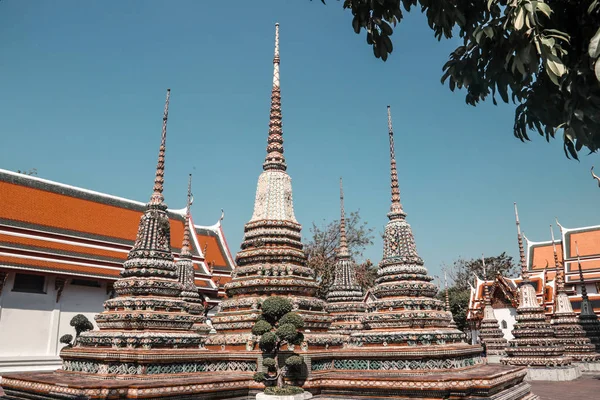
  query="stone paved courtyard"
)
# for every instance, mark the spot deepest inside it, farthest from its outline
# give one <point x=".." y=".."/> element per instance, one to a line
<point x="586" y="387"/>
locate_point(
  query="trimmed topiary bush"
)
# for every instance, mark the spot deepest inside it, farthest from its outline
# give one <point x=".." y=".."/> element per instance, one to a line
<point x="278" y="326"/>
<point x="66" y="339"/>
<point x="81" y="324"/>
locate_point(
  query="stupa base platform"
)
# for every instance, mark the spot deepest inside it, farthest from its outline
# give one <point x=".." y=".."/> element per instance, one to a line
<point x="588" y="367"/>
<point x="492" y="382"/>
<point x="60" y="385"/>
<point x="569" y="373"/>
<point x="300" y="396"/>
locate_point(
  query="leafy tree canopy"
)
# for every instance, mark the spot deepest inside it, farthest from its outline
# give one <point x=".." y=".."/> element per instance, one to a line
<point x="462" y="270"/>
<point x="541" y="54"/>
<point x="322" y="245"/>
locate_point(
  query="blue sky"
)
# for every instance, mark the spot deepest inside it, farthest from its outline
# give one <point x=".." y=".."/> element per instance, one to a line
<point x="83" y="87"/>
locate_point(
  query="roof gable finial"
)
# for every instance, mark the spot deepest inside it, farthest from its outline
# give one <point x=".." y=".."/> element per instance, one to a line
<point x="275" y="159"/>
<point x="159" y="180"/>
<point x="396" y="210"/>
<point x="343" y="249"/>
<point x="185" y="247"/>
<point x="522" y="260"/>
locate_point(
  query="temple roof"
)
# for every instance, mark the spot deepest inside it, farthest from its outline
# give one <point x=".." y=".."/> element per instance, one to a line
<point x="52" y="227"/>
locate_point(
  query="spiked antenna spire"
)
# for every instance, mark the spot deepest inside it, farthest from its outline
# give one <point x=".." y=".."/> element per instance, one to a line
<point x="396" y="210"/>
<point x="185" y="247"/>
<point x="524" y="273"/>
<point x="159" y="180"/>
<point x="584" y="295"/>
<point x="560" y="281"/>
<point x="486" y="289"/>
<point x="275" y="159"/>
<point x="446" y="288"/>
<point x="343" y="250"/>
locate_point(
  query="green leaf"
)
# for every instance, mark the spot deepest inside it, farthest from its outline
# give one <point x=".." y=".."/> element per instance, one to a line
<point x="545" y="8"/>
<point x="490" y="2"/>
<point x="520" y="20"/>
<point x="597" y="70"/>
<point x="594" y="47"/>
<point x="592" y="6"/>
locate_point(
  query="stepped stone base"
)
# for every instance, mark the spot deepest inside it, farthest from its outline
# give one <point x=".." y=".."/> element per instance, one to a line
<point x="300" y="396"/>
<point x="553" y="374"/>
<point x="588" y="367"/>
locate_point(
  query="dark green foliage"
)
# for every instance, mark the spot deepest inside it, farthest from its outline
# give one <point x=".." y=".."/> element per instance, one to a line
<point x="267" y="341"/>
<point x="287" y="332"/>
<point x="462" y="270"/>
<point x="275" y="307"/>
<point x="292" y="318"/>
<point x="298" y="339"/>
<point x="269" y="362"/>
<point x="81" y="324"/>
<point x="66" y="339"/>
<point x="544" y="56"/>
<point x="284" y="391"/>
<point x="294" y="361"/>
<point x="459" y="304"/>
<point x="261" y="327"/>
<point x="259" y="377"/>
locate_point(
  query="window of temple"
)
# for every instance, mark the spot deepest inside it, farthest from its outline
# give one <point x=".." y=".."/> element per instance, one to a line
<point x="29" y="283"/>
<point x="85" y="282"/>
<point x="504" y="324"/>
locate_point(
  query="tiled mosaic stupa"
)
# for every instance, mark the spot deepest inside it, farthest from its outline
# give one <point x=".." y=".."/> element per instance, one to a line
<point x="534" y="344"/>
<point x="345" y="299"/>
<point x="271" y="260"/>
<point x="588" y="318"/>
<point x="452" y="323"/>
<point x="566" y="324"/>
<point x="490" y="333"/>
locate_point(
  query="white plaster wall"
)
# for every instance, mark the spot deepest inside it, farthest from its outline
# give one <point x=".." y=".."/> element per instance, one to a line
<point x="508" y="315"/>
<point x="31" y="323"/>
<point x="25" y="320"/>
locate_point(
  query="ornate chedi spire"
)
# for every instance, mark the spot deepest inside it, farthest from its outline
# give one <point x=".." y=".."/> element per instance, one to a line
<point x="271" y="260"/>
<point x="275" y="159"/>
<point x="406" y="315"/>
<point x="185" y="269"/>
<point x="587" y="317"/>
<point x="345" y="300"/>
<point x="565" y="322"/>
<point x="489" y="332"/>
<point x="148" y="314"/>
<point x="534" y="344"/>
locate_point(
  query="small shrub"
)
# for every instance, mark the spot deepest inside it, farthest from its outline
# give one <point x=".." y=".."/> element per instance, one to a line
<point x="267" y="341"/>
<point x="261" y="327"/>
<point x="269" y="362"/>
<point x="259" y="377"/>
<point x="275" y="307"/>
<point x="66" y="339"/>
<point x="294" y="361"/>
<point x="81" y="324"/>
<point x="287" y="332"/>
<point x="292" y="318"/>
<point x="284" y="391"/>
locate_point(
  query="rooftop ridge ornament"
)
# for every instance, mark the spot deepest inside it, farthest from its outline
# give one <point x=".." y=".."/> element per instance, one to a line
<point x="157" y="197"/>
<point x="275" y="159"/>
<point x="524" y="273"/>
<point x="185" y="246"/>
<point x="396" y="210"/>
<point x="343" y="249"/>
<point x="596" y="177"/>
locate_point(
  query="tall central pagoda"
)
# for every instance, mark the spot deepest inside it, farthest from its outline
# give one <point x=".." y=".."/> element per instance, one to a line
<point x="271" y="260"/>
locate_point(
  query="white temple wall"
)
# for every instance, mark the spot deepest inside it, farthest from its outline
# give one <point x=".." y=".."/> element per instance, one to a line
<point x="31" y="324"/>
<point x="507" y="315"/>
